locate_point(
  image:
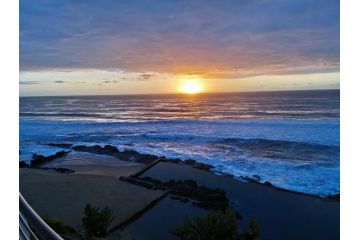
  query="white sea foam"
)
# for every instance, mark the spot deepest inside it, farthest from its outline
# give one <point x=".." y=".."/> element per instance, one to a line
<point x="288" y="138"/>
<point x="300" y="155"/>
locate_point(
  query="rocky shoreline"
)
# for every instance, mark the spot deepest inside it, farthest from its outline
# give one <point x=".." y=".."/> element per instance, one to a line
<point x="185" y="184"/>
<point x="133" y="156"/>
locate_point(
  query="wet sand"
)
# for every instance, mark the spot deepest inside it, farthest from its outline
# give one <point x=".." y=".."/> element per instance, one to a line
<point x="64" y="196"/>
<point x="84" y="159"/>
<point x="280" y="214"/>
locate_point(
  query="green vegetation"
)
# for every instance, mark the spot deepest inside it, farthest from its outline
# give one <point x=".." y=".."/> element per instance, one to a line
<point x="253" y="232"/>
<point x="61" y="227"/>
<point x="65" y="230"/>
<point x="96" y="221"/>
<point x="216" y="225"/>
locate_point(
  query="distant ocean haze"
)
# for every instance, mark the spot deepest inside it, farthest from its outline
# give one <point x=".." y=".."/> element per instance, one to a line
<point x="223" y="106"/>
<point x="290" y="139"/>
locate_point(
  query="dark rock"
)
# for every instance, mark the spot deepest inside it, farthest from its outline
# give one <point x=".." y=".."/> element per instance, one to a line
<point x="335" y="197"/>
<point x="203" y="166"/>
<point x="228" y="175"/>
<point x="152" y="180"/>
<point x="268" y="184"/>
<point x="175" y="160"/>
<point x="23" y="164"/>
<point x="110" y="149"/>
<point x="107" y="149"/>
<point x="136" y="181"/>
<point x="184" y="200"/>
<point x="59" y="170"/>
<point x="38" y="160"/>
<point x="256" y="177"/>
<point x="190" y="162"/>
<point x="64" y="170"/>
<point x="134" y="156"/>
<point x="190" y="183"/>
<point x="250" y="179"/>
<point x="61" y="145"/>
<point x="175" y="198"/>
<point x="207" y="198"/>
<point x="83" y="148"/>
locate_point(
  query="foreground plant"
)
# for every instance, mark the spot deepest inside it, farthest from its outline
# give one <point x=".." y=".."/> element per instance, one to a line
<point x="96" y="220"/>
<point x="216" y="225"/>
<point x="62" y="228"/>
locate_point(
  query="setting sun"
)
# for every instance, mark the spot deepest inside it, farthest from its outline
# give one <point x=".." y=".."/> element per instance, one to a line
<point x="191" y="86"/>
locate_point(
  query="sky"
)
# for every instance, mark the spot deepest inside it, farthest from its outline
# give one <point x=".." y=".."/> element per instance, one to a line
<point x="87" y="47"/>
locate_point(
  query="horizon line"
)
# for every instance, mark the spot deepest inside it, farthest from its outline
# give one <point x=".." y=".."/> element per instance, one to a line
<point x="202" y="93"/>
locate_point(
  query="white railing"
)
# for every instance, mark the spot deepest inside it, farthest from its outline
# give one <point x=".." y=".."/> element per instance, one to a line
<point x="39" y="229"/>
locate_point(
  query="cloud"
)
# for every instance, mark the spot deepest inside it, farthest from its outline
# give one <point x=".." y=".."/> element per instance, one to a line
<point x="146" y="76"/>
<point x="219" y="39"/>
<point x="39" y="82"/>
<point x="110" y="81"/>
<point x="29" y="82"/>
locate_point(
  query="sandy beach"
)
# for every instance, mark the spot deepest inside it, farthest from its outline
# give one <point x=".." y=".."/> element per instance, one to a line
<point x="64" y="196"/>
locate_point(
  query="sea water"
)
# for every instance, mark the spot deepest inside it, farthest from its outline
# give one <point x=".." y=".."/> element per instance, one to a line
<point x="290" y="139"/>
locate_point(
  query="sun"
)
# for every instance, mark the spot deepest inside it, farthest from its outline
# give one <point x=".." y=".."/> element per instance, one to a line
<point x="191" y="86"/>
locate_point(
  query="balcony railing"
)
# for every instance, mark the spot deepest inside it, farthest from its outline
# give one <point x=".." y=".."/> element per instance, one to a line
<point x="39" y="229"/>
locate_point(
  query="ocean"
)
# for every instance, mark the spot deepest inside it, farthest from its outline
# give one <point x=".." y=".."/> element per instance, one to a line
<point x="289" y="138"/>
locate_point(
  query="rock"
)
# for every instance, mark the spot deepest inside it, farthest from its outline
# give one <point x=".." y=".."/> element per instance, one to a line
<point x="256" y="177"/>
<point x="59" y="170"/>
<point x="250" y="179"/>
<point x="136" y="181"/>
<point x="23" y="164"/>
<point x="228" y="175"/>
<point x="126" y="155"/>
<point x="83" y="148"/>
<point x="134" y="156"/>
<point x="107" y="149"/>
<point x="151" y="180"/>
<point x="61" y="145"/>
<point x="175" y="160"/>
<point x="203" y="166"/>
<point x="64" y="170"/>
<point x="335" y="197"/>
<point x="190" y="182"/>
<point x="268" y="184"/>
<point x="175" y="198"/>
<point x="184" y="200"/>
<point x="38" y="160"/>
<point x="207" y="198"/>
<point x="190" y="162"/>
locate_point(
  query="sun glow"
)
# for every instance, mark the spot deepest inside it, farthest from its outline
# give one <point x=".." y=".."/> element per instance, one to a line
<point x="191" y="86"/>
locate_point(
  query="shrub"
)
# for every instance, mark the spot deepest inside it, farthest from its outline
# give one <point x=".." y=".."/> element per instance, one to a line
<point x="61" y="227"/>
<point x="254" y="228"/>
<point x="96" y="220"/>
<point x="216" y="225"/>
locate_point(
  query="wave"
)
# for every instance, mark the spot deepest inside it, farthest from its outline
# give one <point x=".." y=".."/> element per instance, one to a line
<point x="287" y="150"/>
<point x="34" y="114"/>
<point x="301" y="155"/>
